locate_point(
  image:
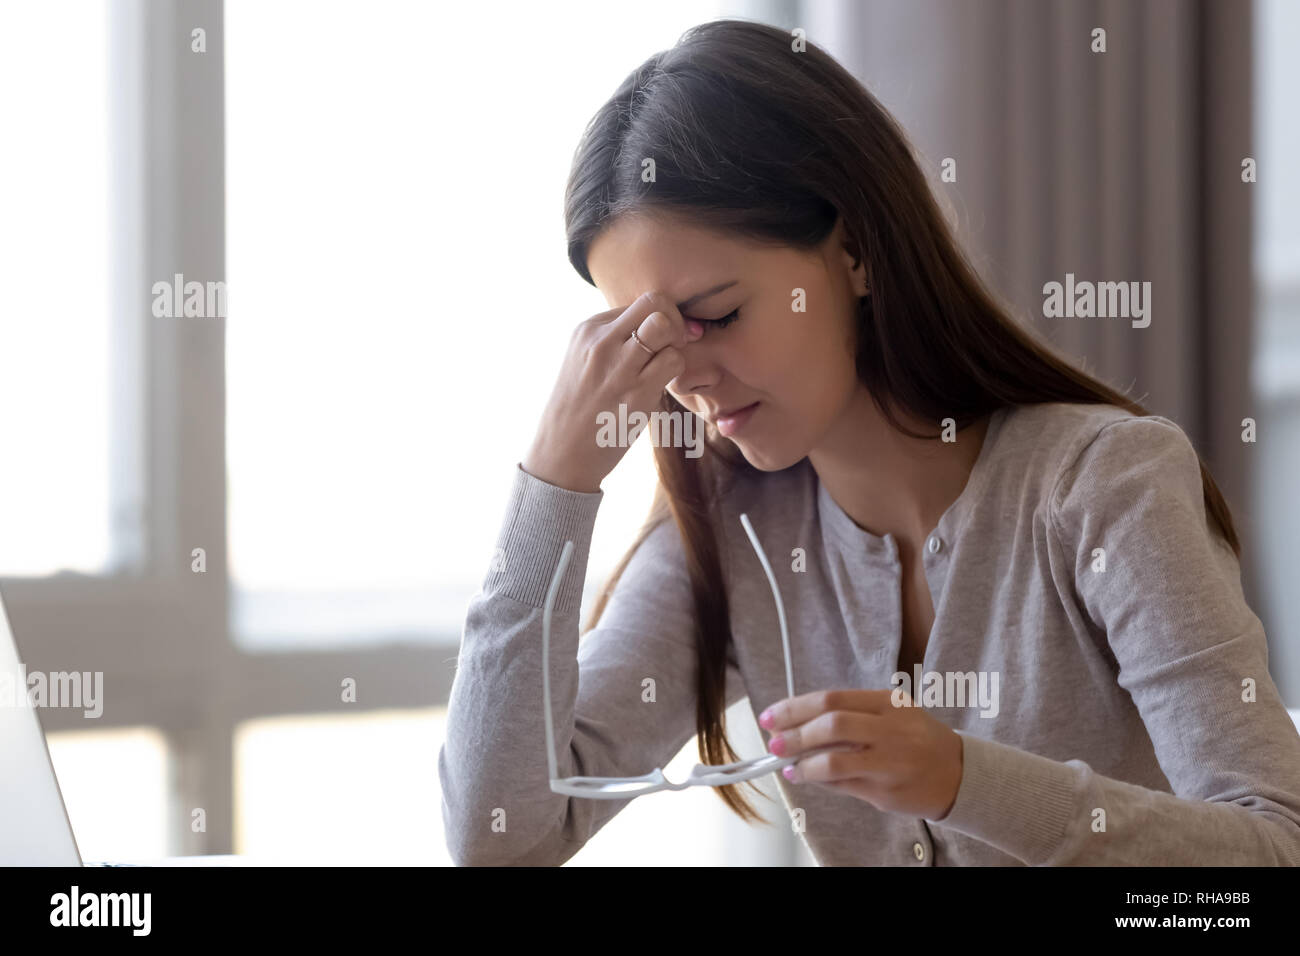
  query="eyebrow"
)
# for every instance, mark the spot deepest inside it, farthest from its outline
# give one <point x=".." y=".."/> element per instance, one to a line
<point x="683" y="306"/>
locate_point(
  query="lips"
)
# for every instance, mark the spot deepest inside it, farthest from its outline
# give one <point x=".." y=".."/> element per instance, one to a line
<point x="730" y="413"/>
<point x="733" y="422"/>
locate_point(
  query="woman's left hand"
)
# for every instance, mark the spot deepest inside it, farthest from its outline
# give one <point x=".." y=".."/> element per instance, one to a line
<point x="908" y="761"/>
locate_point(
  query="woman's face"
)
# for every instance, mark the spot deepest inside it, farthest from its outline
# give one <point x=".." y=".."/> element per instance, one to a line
<point x="797" y="365"/>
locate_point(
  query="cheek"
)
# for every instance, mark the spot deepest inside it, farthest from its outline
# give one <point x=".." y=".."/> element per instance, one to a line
<point x="814" y="350"/>
<point x="816" y="368"/>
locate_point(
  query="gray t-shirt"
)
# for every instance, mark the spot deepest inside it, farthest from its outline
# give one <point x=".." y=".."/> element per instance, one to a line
<point x="1135" y="718"/>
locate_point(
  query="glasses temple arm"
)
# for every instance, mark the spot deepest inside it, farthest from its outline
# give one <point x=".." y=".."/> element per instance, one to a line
<point x="546" y="655"/>
<point x="780" y="607"/>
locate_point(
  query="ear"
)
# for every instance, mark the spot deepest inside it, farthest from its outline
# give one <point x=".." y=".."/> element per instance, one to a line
<point x="859" y="273"/>
<point x="850" y="258"/>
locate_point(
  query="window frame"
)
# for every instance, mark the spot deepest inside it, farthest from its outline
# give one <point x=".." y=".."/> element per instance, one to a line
<point x="159" y="632"/>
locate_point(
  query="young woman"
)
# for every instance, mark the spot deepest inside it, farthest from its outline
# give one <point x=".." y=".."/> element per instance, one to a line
<point x="956" y="516"/>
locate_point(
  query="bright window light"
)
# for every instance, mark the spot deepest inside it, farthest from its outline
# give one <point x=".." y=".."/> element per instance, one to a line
<point x="54" y="289"/>
<point x="115" y="786"/>
<point x="400" y="299"/>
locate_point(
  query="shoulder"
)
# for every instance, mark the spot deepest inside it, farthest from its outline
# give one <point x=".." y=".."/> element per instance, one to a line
<point x="1052" y="445"/>
<point x="1111" y="469"/>
<point x="1114" y="448"/>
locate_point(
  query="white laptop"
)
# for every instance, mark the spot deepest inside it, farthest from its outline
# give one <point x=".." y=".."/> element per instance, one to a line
<point x="34" y="825"/>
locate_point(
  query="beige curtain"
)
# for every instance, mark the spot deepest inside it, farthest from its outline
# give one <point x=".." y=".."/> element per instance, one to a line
<point x="1115" y="166"/>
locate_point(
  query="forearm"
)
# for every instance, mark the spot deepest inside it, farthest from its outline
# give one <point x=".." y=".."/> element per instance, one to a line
<point x="1052" y="813"/>
<point x="497" y="804"/>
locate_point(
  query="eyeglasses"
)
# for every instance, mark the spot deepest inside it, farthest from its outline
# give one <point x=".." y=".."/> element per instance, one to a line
<point x="704" y="775"/>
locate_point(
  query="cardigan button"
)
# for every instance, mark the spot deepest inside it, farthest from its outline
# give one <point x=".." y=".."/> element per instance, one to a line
<point x="918" y="851"/>
<point x="935" y="544"/>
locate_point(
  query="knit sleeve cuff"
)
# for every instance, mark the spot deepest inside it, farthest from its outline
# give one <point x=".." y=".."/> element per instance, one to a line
<point x="539" y="518"/>
<point x="1019" y="802"/>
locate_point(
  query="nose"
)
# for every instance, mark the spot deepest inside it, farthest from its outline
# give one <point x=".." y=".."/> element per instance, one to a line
<point x="702" y="370"/>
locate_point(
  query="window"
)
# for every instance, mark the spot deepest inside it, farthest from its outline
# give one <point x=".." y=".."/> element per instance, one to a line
<point x="358" y="789"/>
<point x="56" y="487"/>
<point x="114" y="785"/>
<point x="402" y="297"/>
<point x="1276" y="365"/>
<point x="78" y="586"/>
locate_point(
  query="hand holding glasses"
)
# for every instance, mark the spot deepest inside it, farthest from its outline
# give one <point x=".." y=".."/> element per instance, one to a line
<point x="704" y="775"/>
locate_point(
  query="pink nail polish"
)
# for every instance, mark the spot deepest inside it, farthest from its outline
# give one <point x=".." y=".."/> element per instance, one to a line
<point x="789" y="773"/>
<point x="765" y="719"/>
<point x="776" y="745"/>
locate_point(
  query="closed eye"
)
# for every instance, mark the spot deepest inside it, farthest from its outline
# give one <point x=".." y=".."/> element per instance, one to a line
<point x="721" y="323"/>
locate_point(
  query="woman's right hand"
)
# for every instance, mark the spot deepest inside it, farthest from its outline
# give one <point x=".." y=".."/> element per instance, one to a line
<point x="603" y="367"/>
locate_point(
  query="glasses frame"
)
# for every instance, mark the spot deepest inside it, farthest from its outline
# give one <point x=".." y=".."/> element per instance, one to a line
<point x="703" y="775"/>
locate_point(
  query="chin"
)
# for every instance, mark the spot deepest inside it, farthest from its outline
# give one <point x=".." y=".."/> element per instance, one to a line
<point x="765" y="459"/>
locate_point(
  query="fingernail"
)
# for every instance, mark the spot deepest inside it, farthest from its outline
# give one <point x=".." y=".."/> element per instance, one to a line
<point x="776" y="745"/>
<point x="766" y="719"/>
<point x="694" y="328"/>
<point x="791" y="774"/>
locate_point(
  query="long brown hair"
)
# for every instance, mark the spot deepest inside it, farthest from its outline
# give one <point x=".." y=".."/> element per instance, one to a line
<point x="756" y="139"/>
